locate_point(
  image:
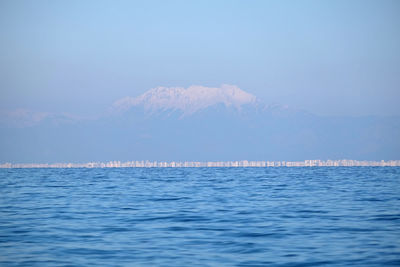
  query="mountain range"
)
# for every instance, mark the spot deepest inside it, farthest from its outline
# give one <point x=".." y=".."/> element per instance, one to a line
<point x="196" y="123"/>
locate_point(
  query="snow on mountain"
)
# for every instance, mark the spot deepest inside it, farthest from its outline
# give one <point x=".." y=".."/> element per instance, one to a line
<point x="189" y="100"/>
<point x="22" y="117"/>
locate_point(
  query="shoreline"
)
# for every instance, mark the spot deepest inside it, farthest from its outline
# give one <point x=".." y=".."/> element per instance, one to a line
<point x="207" y="164"/>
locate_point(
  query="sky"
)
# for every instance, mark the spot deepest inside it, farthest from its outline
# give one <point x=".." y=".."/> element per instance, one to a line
<point x="327" y="57"/>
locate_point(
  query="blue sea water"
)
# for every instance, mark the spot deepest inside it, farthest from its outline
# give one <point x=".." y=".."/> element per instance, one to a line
<point x="318" y="216"/>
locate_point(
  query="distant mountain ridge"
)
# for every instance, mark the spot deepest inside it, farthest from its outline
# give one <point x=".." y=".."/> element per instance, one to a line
<point x="196" y="124"/>
<point x="188" y="101"/>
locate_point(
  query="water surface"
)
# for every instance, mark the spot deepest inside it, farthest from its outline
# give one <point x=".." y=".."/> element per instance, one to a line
<point x="339" y="216"/>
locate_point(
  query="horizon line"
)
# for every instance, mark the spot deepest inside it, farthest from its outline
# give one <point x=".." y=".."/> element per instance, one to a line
<point x="200" y="164"/>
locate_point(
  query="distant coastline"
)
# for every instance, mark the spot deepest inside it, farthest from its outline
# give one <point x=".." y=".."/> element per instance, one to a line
<point x="202" y="164"/>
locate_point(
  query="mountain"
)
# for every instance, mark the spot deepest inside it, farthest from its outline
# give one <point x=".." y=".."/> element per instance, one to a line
<point x="187" y="101"/>
<point x="197" y="123"/>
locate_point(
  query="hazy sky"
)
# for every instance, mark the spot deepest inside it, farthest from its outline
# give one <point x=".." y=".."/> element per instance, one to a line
<point x="328" y="57"/>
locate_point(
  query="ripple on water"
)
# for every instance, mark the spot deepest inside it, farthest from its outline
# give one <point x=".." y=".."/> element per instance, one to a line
<point x="200" y="216"/>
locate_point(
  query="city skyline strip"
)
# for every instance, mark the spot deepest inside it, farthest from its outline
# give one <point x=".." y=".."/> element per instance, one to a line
<point x="205" y="164"/>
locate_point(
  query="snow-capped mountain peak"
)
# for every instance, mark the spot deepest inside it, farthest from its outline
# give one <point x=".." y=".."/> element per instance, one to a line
<point x="189" y="100"/>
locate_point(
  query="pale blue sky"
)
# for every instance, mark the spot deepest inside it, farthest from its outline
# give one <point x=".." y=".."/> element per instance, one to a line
<point x="328" y="57"/>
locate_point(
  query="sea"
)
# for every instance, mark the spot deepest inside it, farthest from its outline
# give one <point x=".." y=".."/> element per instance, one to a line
<point x="277" y="216"/>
